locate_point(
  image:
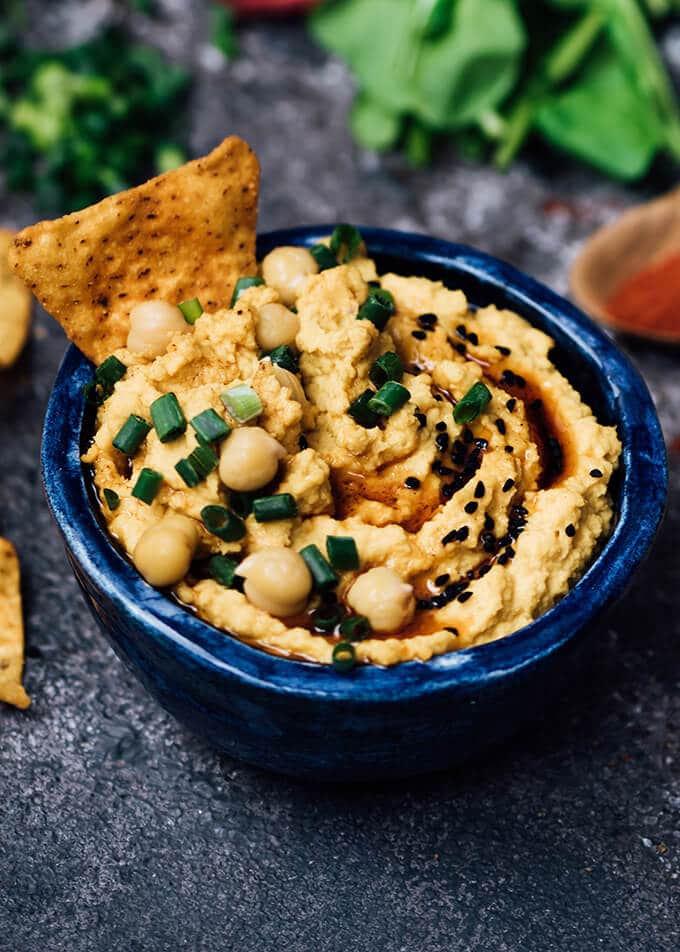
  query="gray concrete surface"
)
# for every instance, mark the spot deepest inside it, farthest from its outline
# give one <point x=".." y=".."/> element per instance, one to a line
<point x="119" y="831"/>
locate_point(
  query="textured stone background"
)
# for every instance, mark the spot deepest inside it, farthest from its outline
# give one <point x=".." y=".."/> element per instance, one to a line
<point x="120" y="831"/>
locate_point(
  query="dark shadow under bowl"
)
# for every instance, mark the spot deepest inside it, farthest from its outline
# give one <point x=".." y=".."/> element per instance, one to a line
<point x="308" y="720"/>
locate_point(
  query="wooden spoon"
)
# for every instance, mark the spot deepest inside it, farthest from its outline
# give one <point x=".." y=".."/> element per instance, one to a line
<point x="642" y="236"/>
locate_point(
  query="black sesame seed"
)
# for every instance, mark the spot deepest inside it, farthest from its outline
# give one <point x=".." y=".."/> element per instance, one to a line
<point x="481" y="443"/>
<point x="419" y="335"/>
<point x="489" y="524"/>
<point x="448" y="489"/>
<point x="460" y="348"/>
<point x="518" y="511"/>
<point x="471" y="507"/>
<point x="302" y="442"/>
<point x="508" y="378"/>
<point x="509" y="449"/>
<point x="485" y="569"/>
<point x="463" y="533"/>
<point x="442" y="470"/>
<point x="442" y="442"/>
<point x="596" y="473"/>
<point x="411" y="482"/>
<point x="458" y="447"/>
<point x="427" y="321"/>
<point x="508" y="484"/>
<point x="461" y="330"/>
<point x="503" y="559"/>
<point x="520" y="381"/>
<point x="473" y="339"/>
<point x="451" y="536"/>
<point x="487" y="539"/>
<point x="423" y="603"/>
<point x="536" y="404"/>
<point x="510" y="552"/>
<point x="441" y="426"/>
<point x="438" y="397"/>
<point x="421" y="418"/>
<point x="570" y="531"/>
<point x="442" y="579"/>
<point x="503" y="350"/>
<point x="480" y="489"/>
<point x="511" y="404"/>
<point x="464" y="596"/>
<point x="500" y="426"/>
<point x="470" y="575"/>
<point x="467" y="436"/>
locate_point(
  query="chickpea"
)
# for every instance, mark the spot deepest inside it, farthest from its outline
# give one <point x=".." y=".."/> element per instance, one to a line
<point x="276" y="580"/>
<point x="249" y="459"/>
<point x="285" y="270"/>
<point x="152" y="326"/>
<point x="164" y="551"/>
<point x="276" y="326"/>
<point x="384" y="598"/>
<point x="290" y="382"/>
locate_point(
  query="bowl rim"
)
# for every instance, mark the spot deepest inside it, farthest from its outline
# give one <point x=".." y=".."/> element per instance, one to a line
<point x="642" y="499"/>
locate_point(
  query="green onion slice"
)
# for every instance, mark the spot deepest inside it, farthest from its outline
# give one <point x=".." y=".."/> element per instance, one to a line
<point x="108" y="373"/>
<point x="168" y="419"/>
<point x="209" y="426"/>
<point x="360" y="412"/>
<point x="471" y="405"/>
<point x="322" y="574"/>
<point x="131" y="435"/>
<point x="242" y="403"/>
<point x="344" y="656"/>
<point x="286" y="358"/>
<point x="387" y="367"/>
<point x="271" y="508"/>
<point x="191" y="310"/>
<point x="324" y="257"/>
<point x="188" y="473"/>
<point x="112" y="499"/>
<point x="345" y="242"/>
<point x="342" y="552"/>
<point x="390" y="398"/>
<point x="222" y="569"/>
<point x="378" y="308"/>
<point x="148" y="483"/>
<point x="222" y="523"/>
<point x="326" y="617"/>
<point x="203" y="459"/>
<point x="241" y="503"/>
<point x="243" y="284"/>
<point x="355" y="628"/>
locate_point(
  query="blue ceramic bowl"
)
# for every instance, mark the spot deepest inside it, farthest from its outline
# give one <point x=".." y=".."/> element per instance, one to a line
<point x="308" y="720"/>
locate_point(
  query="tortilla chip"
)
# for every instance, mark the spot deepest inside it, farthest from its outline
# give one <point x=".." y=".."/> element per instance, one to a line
<point x="187" y="233"/>
<point x="11" y="629"/>
<point x="15" y="307"/>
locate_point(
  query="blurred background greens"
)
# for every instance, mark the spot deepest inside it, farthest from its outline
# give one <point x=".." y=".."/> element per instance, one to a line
<point x="585" y="76"/>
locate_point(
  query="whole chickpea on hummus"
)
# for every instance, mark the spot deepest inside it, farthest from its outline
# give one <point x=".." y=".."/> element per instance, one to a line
<point x="344" y="467"/>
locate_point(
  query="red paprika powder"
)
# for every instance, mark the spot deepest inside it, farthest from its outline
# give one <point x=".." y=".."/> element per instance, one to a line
<point x="650" y="300"/>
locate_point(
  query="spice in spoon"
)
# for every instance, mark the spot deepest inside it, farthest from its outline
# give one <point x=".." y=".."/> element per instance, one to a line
<point x="649" y="301"/>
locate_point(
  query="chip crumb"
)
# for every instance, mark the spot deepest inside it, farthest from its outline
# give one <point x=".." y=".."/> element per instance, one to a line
<point x="11" y="629"/>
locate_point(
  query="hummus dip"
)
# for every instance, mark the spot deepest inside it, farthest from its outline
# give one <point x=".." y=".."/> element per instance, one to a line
<point x="444" y="482"/>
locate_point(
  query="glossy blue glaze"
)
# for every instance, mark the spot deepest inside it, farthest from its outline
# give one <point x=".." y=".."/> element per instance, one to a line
<point x="308" y="720"/>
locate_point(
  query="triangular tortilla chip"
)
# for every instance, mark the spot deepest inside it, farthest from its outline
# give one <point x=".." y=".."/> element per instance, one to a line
<point x="187" y="233"/>
<point x="11" y="629"/>
<point x="15" y="307"/>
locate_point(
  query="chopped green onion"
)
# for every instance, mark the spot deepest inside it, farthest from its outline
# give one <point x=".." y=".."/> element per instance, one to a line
<point x="322" y="574"/>
<point x="148" y="483"/>
<point x="344" y="656"/>
<point x="345" y="239"/>
<point x="387" y="367"/>
<point x="222" y="569"/>
<point x="471" y="405"/>
<point x="326" y="617"/>
<point x="270" y="508"/>
<point x="168" y="418"/>
<point x="112" y="499"/>
<point x="131" y="435"/>
<point x="210" y="427"/>
<point x="284" y="357"/>
<point x="242" y="403"/>
<point x="191" y="310"/>
<point x="324" y="257"/>
<point x="241" y="503"/>
<point x="109" y="372"/>
<point x="203" y="459"/>
<point x="389" y="398"/>
<point x="360" y="413"/>
<point x="222" y="523"/>
<point x="242" y="285"/>
<point x="378" y="308"/>
<point x="355" y="628"/>
<point x="342" y="552"/>
<point x="188" y="473"/>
